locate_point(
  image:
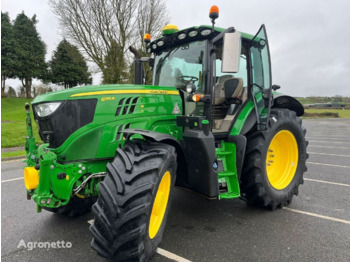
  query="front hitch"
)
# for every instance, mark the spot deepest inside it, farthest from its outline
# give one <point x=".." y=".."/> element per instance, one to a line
<point x="50" y="183"/>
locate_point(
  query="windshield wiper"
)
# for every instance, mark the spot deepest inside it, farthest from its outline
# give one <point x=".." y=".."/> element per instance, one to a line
<point x="162" y="60"/>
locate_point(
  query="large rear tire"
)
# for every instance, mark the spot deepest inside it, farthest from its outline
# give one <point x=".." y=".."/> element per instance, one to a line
<point x="275" y="161"/>
<point x="132" y="208"/>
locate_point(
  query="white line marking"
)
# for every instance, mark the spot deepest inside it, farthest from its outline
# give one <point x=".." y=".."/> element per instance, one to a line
<point x="323" y="164"/>
<point x="337" y="147"/>
<point x="316" y="141"/>
<point x="316" y="153"/>
<point x="317" y="215"/>
<point x="326" y="182"/>
<point x="309" y="132"/>
<point x="11" y="161"/>
<point x="161" y="251"/>
<point x="13" y="179"/>
<point x="327" y="138"/>
<point x="326" y="135"/>
<point x="171" y="256"/>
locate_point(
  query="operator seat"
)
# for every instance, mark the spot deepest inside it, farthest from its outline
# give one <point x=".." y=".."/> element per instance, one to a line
<point x="228" y="92"/>
<point x="233" y="89"/>
<point x="220" y="89"/>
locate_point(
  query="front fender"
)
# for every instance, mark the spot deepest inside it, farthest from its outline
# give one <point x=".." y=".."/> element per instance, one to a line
<point x="181" y="177"/>
<point x="288" y="102"/>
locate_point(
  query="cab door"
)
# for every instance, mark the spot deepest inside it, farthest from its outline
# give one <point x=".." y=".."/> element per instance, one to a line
<point x="260" y="87"/>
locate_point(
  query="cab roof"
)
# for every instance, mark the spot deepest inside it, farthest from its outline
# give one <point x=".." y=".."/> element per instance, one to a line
<point x="191" y="34"/>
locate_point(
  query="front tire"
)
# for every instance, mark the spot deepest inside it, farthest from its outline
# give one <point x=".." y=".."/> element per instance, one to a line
<point x="132" y="208"/>
<point x="275" y="161"/>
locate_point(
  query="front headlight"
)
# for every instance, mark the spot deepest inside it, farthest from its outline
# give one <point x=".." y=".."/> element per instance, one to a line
<point x="46" y="109"/>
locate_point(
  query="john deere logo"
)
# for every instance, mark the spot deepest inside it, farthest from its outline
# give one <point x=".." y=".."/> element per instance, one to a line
<point x="108" y="98"/>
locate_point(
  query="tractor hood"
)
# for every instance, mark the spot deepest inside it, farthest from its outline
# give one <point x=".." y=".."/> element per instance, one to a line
<point x="84" y="92"/>
<point x="76" y="118"/>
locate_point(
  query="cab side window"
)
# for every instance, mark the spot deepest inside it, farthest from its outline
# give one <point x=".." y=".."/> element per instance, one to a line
<point x="242" y="73"/>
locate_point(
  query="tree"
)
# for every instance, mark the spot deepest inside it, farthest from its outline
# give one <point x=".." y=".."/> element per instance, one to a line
<point x="338" y="98"/>
<point x="29" y="54"/>
<point x="22" y="92"/>
<point x="114" y="65"/>
<point x="103" y="28"/>
<point x="43" y="89"/>
<point x="11" y="92"/>
<point x="151" y="17"/>
<point x="68" y="66"/>
<point x="7" y="50"/>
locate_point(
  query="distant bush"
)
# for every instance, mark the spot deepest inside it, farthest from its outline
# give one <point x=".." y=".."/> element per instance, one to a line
<point x="41" y="89"/>
<point x="11" y="92"/>
<point x="321" y="114"/>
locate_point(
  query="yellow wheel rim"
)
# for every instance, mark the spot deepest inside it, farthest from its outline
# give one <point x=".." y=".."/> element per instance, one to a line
<point x="282" y="159"/>
<point x="159" y="205"/>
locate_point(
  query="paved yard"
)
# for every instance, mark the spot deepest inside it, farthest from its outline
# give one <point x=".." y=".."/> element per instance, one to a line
<point x="315" y="227"/>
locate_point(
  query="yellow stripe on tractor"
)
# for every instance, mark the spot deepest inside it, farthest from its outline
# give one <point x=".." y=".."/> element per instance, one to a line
<point x="140" y="91"/>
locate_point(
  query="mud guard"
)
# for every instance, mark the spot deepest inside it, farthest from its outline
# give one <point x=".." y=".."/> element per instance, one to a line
<point x="182" y="174"/>
<point x="288" y="102"/>
<point x="280" y="101"/>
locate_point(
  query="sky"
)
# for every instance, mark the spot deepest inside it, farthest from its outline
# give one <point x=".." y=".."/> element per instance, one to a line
<point x="309" y="39"/>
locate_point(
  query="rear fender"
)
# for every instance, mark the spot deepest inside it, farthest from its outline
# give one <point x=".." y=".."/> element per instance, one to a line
<point x="279" y="101"/>
<point x="288" y="102"/>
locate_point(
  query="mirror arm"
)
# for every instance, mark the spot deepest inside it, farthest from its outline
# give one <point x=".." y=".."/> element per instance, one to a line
<point x="220" y="36"/>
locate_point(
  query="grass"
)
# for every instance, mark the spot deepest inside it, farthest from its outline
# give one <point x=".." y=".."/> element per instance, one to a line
<point x="325" y="113"/>
<point x="12" y="154"/>
<point x="13" y="124"/>
<point x="313" y="100"/>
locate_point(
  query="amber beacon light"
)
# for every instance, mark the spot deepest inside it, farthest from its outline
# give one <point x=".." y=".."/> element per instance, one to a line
<point x="147" y="38"/>
<point x="214" y="12"/>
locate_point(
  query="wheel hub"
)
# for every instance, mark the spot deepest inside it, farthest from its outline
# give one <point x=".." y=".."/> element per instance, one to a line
<point x="159" y="205"/>
<point x="282" y="159"/>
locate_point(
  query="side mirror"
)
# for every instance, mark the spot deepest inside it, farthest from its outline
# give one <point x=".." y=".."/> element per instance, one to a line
<point x="231" y="52"/>
<point x="275" y="87"/>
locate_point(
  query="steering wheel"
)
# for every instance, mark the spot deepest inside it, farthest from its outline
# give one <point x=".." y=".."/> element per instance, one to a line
<point x="188" y="78"/>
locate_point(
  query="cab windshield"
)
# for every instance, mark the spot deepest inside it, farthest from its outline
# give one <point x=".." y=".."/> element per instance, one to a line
<point x="177" y="66"/>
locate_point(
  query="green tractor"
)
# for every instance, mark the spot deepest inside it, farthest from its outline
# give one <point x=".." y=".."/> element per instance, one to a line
<point x="211" y="122"/>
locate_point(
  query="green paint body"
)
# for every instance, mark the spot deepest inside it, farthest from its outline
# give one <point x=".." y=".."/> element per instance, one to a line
<point x="89" y="149"/>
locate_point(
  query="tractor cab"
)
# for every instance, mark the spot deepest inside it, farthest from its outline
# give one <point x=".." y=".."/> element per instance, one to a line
<point x="217" y="72"/>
